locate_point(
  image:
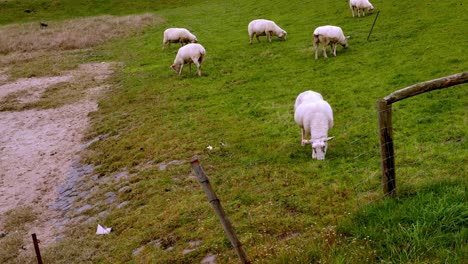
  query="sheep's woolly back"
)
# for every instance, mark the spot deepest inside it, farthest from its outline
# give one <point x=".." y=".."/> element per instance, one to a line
<point x="315" y="117"/>
<point x="260" y="26"/>
<point x="193" y="51"/>
<point x="307" y="96"/>
<point x="361" y="4"/>
<point x="178" y="34"/>
<point x="333" y="33"/>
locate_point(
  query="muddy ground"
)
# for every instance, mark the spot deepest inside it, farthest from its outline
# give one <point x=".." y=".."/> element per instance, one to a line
<point x="39" y="147"/>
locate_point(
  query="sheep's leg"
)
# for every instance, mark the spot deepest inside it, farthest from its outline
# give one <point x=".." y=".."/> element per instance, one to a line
<point x="303" y="141"/>
<point x="352" y="10"/>
<point x="258" y="39"/>
<point x="334" y="49"/>
<point x="198" y="69"/>
<point x="181" y="67"/>
<point x="324" y="48"/>
<point x="268" y="36"/>
<point x="316" y="50"/>
<point x="251" y="37"/>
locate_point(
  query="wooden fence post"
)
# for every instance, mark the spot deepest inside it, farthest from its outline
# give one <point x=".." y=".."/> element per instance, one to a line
<point x="216" y="204"/>
<point x="384" y="108"/>
<point x="386" y="147"/>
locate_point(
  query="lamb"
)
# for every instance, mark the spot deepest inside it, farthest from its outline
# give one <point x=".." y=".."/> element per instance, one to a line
<point x="263" y="27"/>
<point x="189" y="53"/>
<point x="181" y="35"/>
<point x="361" y="5"/>
<point x="315" y="117"/>
<point x="329" y="35"/>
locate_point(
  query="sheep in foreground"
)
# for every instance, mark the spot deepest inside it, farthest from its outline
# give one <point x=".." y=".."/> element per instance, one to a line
<point x="315" y="117"/>
<point x="263" y="27"/>
<point x="329" y="35"/>
<point x="361" y="5"/>
<point x="190" y="53"/>
<point x="180" y="35"/>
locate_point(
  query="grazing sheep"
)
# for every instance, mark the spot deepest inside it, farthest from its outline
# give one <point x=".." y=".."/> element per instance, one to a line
<point x="181" y="35"/>
<point x="315" y="117"/>
<point x="263" y="27"/>
<point x="361" y="5"/>
<point x="329" y="35"/>
<point x="189" y="53"/>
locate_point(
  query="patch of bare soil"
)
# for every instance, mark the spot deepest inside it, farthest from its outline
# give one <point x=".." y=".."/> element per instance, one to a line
<point x="37" y="147"/>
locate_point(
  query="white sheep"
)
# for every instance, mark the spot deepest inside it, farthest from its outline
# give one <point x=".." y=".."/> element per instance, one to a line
<point x="180" y="35"/>
<point x="329" y="35"/>
<point x="190" y="53"/>
<point x="263" y="27"/>
<point x="360" y="5"/>
<point x="315" y="117"/>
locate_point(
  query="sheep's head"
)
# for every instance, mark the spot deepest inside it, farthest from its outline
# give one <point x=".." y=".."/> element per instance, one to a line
<point x="195" y="40"/>
<point x="175" y="67"/>
<point x="370" y="9"/>
<point x="282" y="35"/>
<point x="319" y="148"/>
<point x="345" y="42"/>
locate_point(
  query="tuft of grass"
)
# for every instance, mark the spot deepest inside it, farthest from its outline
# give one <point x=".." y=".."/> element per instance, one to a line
<point x="11" y="244"/>
<point x="16" y="219"/>
<point x="428" y="225"/>
<point x="71" y="34"/>
<point x="13" y="230"/>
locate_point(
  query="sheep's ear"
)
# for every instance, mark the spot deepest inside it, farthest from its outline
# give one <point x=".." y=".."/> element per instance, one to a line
<point x="347" y="37"/>
<point x="330" y="138"/>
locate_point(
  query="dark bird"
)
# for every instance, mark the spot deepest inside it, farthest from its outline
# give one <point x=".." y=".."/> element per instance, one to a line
<point x="43" y="25"/>
<point x="28" y="11"/>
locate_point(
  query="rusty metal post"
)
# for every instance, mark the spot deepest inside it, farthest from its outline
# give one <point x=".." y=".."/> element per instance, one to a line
<point x="36" y="248"/>
<point x="375" y="19"/>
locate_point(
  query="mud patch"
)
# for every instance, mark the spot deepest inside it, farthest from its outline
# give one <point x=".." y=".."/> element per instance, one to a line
<point x="38" y="148"/>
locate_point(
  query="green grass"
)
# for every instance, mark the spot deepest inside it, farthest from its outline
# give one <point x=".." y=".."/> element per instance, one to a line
<point x="430" y="224"/>
<point x="269" y="185"/>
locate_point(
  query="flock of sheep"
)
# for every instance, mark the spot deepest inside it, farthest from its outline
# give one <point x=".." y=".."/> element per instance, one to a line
<point x="312" y="114"/>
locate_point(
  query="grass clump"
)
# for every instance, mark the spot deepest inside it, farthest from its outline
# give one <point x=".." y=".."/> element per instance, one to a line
<point x="424" y="226"/>
<point x="13" y="228"/>
<point x="71" y="34"/>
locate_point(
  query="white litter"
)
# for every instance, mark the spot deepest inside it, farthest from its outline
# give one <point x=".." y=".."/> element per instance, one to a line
<point x="103" y="230"/>
<point x="209" y="147"/>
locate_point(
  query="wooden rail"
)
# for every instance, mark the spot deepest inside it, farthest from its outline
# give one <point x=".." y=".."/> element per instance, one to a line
<point x="384" y="109"/>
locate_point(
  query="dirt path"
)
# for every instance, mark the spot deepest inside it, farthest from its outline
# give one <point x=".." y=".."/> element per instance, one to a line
<point x="37" y="147"/>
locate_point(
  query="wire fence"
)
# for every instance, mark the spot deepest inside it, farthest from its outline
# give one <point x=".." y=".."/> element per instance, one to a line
<point x="425" y="150"/>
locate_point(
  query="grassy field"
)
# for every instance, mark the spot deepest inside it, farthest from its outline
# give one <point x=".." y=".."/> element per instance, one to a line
<point x="286" y="207"/>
